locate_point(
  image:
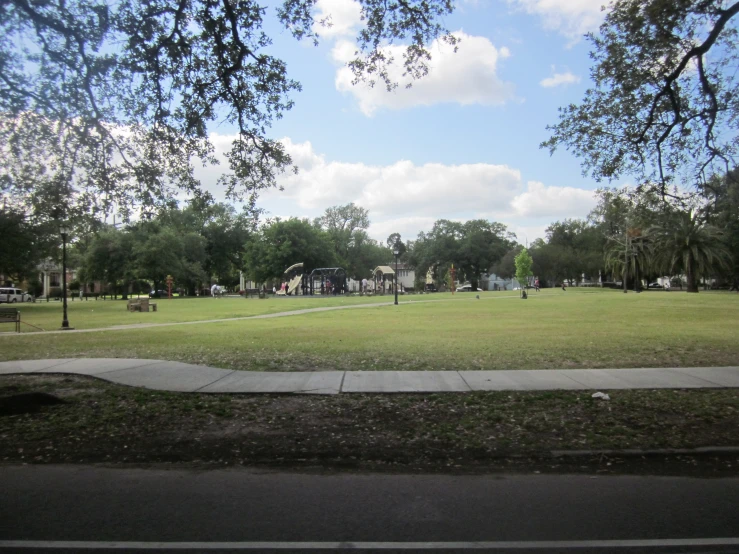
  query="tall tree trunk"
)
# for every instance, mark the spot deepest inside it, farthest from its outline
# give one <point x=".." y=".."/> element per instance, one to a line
<point x="690" y="275"/>
<point x="626" y="262"/>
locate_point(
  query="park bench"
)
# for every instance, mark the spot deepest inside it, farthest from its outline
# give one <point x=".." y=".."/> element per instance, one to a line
<point x="11" y="315"/>
<point x="141" y="305"/>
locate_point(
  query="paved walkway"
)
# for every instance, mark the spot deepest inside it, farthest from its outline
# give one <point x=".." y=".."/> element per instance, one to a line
<point x="180" y="377"/>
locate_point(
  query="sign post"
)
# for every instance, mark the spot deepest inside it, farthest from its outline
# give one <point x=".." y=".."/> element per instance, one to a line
<point x="169" y="286"/>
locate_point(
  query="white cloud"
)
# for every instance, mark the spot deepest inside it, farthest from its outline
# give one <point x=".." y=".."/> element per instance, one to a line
<point x="466" y="77"/>
<point x="399" y="188"/>
<point x="407" y="198"/>
<point x="526" y="234"/>
<point x="559" y="79"/>
<point x="572" y="18"/>
<point x="553" y="202"/>
<point x="408" y="227"/>
<point x="341" y="18"/>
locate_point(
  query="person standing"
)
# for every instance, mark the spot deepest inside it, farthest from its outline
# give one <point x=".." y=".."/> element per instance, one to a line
<point x="536" y="285"/>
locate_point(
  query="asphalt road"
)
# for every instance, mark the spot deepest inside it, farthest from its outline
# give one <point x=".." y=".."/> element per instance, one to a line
<point x="154" y="510"/>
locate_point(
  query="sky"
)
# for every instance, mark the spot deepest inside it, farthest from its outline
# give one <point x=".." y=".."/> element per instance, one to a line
<point x="460" y="144"/>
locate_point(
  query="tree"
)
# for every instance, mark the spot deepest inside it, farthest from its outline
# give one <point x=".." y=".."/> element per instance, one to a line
<point x="473" y="247"/>
<point x="364" y="255"/>
<point x="19" y="253"/>
<point x="280" y="244"/>
<point x="628" y="255"/>
<point x="158" y="253"/>
<point x="523" y="270"/>
<point x="393" y="240"/>
<point x="114" y="99"/>
<point x="579" y="246"/>
<point x="662" y="109"/>
<point x="722" y="211"/>
<point x="109" y="258"/>
<point x="685" y="244"/>
<point x="506" y="267"/>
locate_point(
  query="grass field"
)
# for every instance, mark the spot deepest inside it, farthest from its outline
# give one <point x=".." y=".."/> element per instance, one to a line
<point x="90" y="314"/>
<point x="553" y="329"/>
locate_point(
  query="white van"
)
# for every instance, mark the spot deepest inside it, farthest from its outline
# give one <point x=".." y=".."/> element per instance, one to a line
<point x="11" y="295"/>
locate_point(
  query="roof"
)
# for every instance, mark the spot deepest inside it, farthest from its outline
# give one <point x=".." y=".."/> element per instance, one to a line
<point x="386" y="270"/>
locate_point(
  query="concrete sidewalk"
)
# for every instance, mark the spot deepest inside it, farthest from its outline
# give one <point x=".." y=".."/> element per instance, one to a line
<point x="180" y="377"/>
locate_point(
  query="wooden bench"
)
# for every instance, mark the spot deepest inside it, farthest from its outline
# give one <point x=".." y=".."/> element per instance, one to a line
<point x="11" y="315"/>
<point x="141" y="305"/>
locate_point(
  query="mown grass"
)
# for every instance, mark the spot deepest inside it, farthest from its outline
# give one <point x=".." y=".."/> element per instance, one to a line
<point x="555" y="329"/>
<point x="90" y="313"/>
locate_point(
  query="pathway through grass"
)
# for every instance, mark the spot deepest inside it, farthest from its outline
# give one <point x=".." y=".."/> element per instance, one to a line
<point x="576" y="329"/>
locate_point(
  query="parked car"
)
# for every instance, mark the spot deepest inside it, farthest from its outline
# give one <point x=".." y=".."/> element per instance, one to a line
<point x="467" y="288"/>
<point x="158" y="294"/>
<point x="430" y="287"/>
<point x="654" y="285"/>
<point x="12" y="295"/>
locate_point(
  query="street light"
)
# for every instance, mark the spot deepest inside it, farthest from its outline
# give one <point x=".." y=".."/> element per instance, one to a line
<point x="64" y="232"/>
<point x="396" y="252"/>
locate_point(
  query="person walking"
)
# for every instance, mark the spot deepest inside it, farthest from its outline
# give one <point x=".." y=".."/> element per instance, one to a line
<point x="536" y="285"/>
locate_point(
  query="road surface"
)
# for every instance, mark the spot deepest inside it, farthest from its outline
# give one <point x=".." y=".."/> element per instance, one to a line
<point x="43" y="508"/>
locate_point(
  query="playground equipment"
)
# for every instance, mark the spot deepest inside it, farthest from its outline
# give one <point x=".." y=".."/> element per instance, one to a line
<point x="322" y="280"/>
<point x="327" y="280"/>
<point x="293" y="277"/>
<point x="384" y="277"/>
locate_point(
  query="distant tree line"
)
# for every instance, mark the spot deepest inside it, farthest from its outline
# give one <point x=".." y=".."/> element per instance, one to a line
<point x="631" y="236"/>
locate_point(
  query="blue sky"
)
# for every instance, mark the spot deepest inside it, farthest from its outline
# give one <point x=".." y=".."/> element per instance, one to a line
<point x="461" y="144"/>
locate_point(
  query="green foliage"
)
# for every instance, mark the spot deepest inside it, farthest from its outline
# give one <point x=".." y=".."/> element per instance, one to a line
<point x="280" y="244"/>
<point x="523" y="263"/>
<point x="346" y="226"/>
<point x="35" y="287"/>
<point x="573" y="247"/>
<point x="506" y="267"/>
<point x="722" y="210"/>
<point x="628" y="256"/>
<point x="109" y="258"/>
<point x="76" y="74"/>
<point x="473" y="247"/>
<point x="664" y="106"/>
<point x="685" y="244"/>
<point x="19" y="252"/>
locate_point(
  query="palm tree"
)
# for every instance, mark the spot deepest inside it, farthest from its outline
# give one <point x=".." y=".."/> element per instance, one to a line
<point x="628" y="254"/>
<point x="685" y="244"/>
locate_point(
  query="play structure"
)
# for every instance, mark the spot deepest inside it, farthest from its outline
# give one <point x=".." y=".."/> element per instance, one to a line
<point x="384" y="277"/>
<point x="293" y="277"/>
<point x="321" y="280"/>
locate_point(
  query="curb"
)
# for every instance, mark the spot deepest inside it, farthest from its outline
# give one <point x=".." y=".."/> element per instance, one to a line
<point x="704" y="450"/>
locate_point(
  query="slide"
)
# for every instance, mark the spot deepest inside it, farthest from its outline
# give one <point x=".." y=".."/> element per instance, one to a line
<point x="294" y="284"/>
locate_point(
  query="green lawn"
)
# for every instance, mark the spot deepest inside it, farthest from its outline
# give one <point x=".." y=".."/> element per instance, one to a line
<point x="89" y="314"/>
<point x="553" y="329"/>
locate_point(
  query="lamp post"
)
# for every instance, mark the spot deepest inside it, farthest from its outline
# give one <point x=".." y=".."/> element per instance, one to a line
<point x="63" y="231"/>
<point x="396" y="252"/>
